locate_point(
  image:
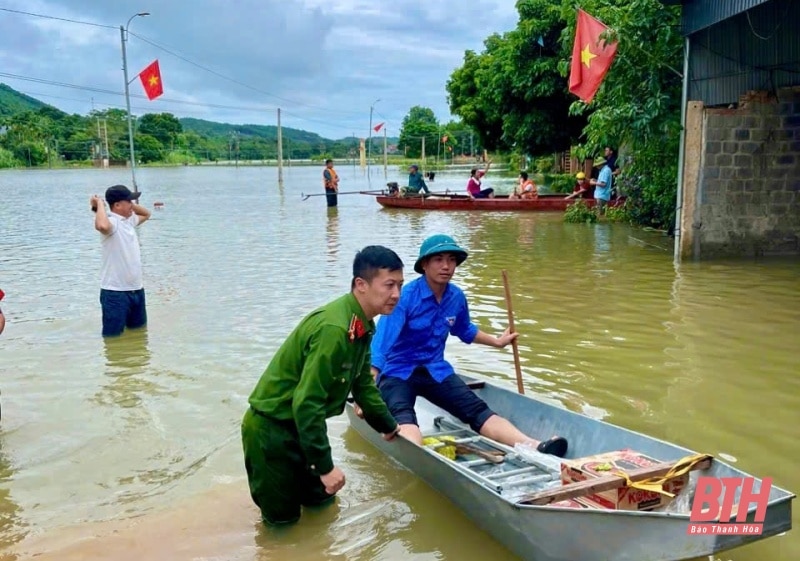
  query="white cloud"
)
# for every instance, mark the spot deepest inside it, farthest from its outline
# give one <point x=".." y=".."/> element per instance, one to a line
<point x="324" y="61"/>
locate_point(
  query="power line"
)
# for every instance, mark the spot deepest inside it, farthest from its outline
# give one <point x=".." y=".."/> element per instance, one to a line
<point x="234" y="80"/>
<point x="56" y="18"/>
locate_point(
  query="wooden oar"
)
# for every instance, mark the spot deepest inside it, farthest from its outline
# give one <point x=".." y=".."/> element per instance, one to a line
<point x="342" y="193"/>
<point x="514" y="347"/>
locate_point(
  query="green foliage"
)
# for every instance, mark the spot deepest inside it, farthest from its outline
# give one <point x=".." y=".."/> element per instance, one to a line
<point x="164" y="127"/>
<point x="545" y="164"/>
<point x="559" y="182"/>
<point x="13" y="102"/>
<point x="420" y="122"/>
<point x="513" y="93"/>
<point x="7" y="159"/>
<point x="579" y="213"/>
<point x="638" y="105"/>
<point x="147" y="148"/>
<point x="618" y="214"/>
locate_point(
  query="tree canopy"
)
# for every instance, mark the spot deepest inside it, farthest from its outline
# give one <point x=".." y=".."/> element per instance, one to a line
<point x="515" y="93"/>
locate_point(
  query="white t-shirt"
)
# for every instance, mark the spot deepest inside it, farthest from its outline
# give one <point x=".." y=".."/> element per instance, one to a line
<point x="122" y="258"/>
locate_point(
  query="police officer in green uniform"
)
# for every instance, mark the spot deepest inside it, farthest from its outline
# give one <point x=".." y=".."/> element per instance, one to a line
<point x="327" y="356"/>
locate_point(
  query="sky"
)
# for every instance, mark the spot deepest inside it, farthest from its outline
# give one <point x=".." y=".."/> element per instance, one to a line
<point x="323" y="62"/>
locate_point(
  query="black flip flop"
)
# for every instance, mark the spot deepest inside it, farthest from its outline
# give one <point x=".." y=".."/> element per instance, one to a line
<point x="557" y="446"/>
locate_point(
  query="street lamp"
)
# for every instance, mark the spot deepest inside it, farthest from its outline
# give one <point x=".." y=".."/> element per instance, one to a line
<point x="123" y="31"/>
<point x="369" y="143"/>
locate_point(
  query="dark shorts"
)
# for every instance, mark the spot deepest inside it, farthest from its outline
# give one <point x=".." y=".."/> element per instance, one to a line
<point x="484" y="193"/>
<point x="122" y="309"/>
<point x="451" y="394"/>
<point x="280" y="482"/>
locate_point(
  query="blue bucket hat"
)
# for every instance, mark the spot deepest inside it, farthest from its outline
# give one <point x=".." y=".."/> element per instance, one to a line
<point x="436" y="244"/>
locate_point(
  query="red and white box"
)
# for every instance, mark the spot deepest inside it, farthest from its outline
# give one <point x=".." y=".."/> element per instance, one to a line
<point x="624" y="498"/>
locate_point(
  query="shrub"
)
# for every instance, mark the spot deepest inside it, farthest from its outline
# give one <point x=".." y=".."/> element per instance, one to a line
<point x="580" y="213"/>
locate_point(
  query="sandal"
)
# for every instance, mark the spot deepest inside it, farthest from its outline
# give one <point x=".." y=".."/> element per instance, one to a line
<point x="557" y="446"/>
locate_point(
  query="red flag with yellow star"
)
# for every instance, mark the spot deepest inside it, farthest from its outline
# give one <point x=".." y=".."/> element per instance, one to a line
<point x="591" y="57"/>
<point x="151" y="80"/>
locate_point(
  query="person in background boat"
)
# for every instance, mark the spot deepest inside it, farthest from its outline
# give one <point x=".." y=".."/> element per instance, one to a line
<point x="474" y="184"/>
<point x="330" y="180"/>
<point x="582" y="187"/>
<point x="122" y="295"/>
<point x="409" y="344"/>
<point x="416" y="182"/>
<point x="526" y="188"/>
<point x="602" y="187"/>
<point x="287" y="453"/>
<point x="2" y="317"/>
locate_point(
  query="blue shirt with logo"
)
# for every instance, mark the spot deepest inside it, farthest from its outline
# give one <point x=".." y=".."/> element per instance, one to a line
<point x="415" y="333"/>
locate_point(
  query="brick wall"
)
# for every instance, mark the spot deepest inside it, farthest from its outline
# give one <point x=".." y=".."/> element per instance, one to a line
<point x="747" y="200"/>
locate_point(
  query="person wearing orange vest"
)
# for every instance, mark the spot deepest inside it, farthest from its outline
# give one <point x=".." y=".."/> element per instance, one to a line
<point x="330" y="179"/>
<point x="526" y="188"/>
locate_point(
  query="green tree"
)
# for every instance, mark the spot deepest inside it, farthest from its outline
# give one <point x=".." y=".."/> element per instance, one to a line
<point x="164" y="127"/>
<point x="420" y="122"/>
<point x="148" y="149"/>
<point x="638" y="104"/>
<point x="513" y="93"/>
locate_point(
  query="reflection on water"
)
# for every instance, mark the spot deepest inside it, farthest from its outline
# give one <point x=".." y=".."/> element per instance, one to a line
<point x="127" y="362"/>
<point x="145" y="426"/>
<point x="332" y="234"/>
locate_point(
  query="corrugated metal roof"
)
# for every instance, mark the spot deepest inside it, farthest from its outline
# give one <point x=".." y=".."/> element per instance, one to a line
<point x="759" y="50"/>
<point x="700" y="14"/>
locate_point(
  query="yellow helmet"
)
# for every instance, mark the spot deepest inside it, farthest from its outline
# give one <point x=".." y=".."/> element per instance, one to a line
<point x="581" y="175"/>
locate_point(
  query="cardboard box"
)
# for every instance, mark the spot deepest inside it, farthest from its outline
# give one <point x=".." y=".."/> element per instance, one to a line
<point x="624" y="498"/>
<point x="575" y="503"/>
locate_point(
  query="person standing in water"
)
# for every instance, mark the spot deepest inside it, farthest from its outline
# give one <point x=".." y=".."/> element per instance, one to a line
<point x="330" y="180"/>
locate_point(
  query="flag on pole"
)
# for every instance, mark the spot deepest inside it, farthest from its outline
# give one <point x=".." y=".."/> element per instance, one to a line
<point x="151" y="81"/>
<point x="377" y="127"/>
<point x="591" y="57"/>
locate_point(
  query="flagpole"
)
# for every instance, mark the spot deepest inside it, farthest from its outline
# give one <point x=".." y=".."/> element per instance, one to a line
<point x="385" y="172"/>
<point x="123" y="31"/>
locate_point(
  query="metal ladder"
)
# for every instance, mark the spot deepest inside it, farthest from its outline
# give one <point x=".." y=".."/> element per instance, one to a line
<point x="497" y="482"/>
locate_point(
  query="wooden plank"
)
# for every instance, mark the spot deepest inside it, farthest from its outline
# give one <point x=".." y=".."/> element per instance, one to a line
<point x="607" y="483"/>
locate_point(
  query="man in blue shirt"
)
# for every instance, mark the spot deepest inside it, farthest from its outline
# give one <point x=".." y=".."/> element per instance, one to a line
<point x="602" y="190"/>
<point x="408" y="351"/>
<point x="416" y="183"/>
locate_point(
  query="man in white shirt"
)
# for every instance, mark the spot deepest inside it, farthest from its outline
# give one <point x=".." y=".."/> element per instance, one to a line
<point x="121" y="289"/>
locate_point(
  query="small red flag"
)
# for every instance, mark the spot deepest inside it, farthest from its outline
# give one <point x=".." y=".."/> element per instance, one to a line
<point x="151" y="81"/>
<point x="377" y="127"/>
<point x="591" y="57"/>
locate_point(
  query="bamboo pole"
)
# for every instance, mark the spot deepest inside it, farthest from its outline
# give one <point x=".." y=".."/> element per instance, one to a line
<point x="514" y="347"/>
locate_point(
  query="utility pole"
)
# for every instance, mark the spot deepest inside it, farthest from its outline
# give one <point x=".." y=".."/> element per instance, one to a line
<point x="422" y="163"/>
<point x="385" y="154"/>
<point x="280" y="150"/>
<point x="369" y="142"/>
<point x="471" y="145"/>
<point x="123" y="32"/>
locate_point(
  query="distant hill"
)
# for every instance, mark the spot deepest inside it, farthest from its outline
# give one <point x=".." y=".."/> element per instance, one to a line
<point x="267" y="132"/>
<point x="13" y="102"/>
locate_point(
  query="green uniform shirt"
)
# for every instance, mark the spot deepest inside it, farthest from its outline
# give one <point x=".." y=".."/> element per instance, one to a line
<point x="309" y="378"/>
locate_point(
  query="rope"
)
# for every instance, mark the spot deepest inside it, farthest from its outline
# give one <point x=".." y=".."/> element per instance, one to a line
<point x="656" y="484"/>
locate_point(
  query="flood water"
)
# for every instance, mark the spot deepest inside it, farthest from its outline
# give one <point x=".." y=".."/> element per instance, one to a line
<point x="129" y="448"/>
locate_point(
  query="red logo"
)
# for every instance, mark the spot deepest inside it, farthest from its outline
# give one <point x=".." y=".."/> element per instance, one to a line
<point x="713" y="506"/>
<point x="356" y="329"/>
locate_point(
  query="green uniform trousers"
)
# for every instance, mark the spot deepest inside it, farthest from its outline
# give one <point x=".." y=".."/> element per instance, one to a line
<point x="277" y="472"/>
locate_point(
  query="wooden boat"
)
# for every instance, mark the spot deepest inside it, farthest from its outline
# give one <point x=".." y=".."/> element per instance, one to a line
<point x="532" y="524"/>
<point x="555" y="202"/>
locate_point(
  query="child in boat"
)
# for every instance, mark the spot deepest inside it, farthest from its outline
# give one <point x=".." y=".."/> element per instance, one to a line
<point x="408" y="351"/>
<point x="582" y="188"/>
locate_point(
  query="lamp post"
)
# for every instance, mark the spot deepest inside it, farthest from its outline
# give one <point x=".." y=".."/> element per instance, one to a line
<point x="123" y="31"/>
<point x="369" y="142"/>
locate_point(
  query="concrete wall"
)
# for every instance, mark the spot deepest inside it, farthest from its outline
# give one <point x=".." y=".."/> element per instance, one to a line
<point x="742" y="178"/>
